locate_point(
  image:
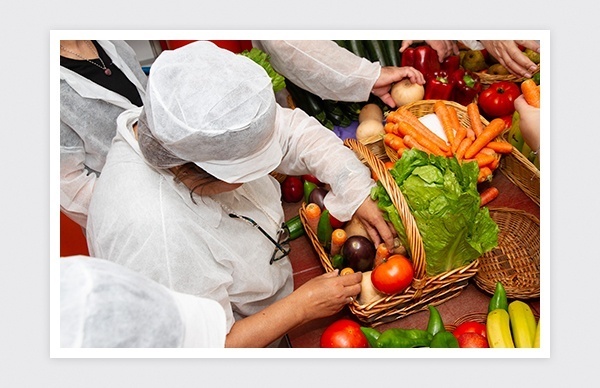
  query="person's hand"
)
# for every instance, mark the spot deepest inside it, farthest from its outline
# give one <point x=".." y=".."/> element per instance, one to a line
<point x="444" y="48"/>
<point x="511" y="57"/>
<point x="327" y="294"/>
<point x="391" y="74"/>
<point x="372" y="219"/>
<point x="529" y="122"/>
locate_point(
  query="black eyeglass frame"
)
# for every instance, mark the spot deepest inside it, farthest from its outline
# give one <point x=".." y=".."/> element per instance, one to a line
<point x="278" y="244"/>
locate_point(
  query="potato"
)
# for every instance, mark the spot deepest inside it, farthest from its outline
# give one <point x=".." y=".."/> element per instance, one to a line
<point x="370" y="112"/>
<point x="368" y="292"/>
<point x="369" y="129"/>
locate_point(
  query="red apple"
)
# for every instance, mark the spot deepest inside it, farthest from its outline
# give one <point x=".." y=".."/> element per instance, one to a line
<point x="472" y="340"/>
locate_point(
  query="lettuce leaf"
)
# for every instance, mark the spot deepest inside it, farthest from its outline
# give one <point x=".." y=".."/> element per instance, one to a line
<point x="262" y="59"/>
<point x="443" y="198"/>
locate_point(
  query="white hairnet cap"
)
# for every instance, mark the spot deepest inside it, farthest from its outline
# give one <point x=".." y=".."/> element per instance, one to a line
<point x="214" y="108"/>
<point x="103" y="304"/>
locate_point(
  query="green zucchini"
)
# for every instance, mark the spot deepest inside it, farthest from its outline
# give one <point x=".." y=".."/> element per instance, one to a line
<point x="392" y="48"/>
<point x="357" y="47"/>
<point x="341" y="43"/>
<point x="376" y="52"/>
<point x="295" y="227"/>
<point x="307" y="101"/>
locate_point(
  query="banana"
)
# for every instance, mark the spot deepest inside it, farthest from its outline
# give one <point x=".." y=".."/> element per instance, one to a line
<point x="498" y="329"/>
<point x="522" y="323"/>
<point x="536" y="340"/>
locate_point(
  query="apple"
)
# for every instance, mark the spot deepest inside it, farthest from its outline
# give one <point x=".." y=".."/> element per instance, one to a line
<point x="472" y="340"/>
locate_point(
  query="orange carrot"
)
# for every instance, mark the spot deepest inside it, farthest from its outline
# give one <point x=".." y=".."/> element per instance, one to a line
<point x="338" y="238"/>
<point x="409" y="117"/>
<point x="346" y="271"/>
<point x="460" y="151"/>
<point x="412" y="143"/>
<point x="443" y="114"/>
<point x="485" y="174"/>
<point x="475" y="118"/>
<point x="407" y="129"/>
<point x="461" y="133"/>
<point x="501" y="147"/>
<point x="470" y="134"/>
<point x="494" y="164"/>
<point x="313" y="213"/>
<point x="487" y="151"/>
<point x="389" y="127"/>
<point x="393" y="141"/>
<point x="488" y="195"/>
<point x="531" y="92"/>
<point x="454" y="119"/>
<point x="489" y="133"/>
<point x="484" y="159"/>
<point x="381" y="254"/>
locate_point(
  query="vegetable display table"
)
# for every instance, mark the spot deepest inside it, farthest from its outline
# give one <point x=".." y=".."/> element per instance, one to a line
<point x="306" y="265"/>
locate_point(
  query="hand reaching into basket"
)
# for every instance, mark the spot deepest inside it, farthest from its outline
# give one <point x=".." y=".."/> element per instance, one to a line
<point x="391" y="74"/>
<point x="379" y="230"/>
<point x="443" y="48"/>
<point x="511" y="57"/>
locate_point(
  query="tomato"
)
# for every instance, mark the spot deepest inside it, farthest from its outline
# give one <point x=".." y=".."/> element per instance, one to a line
<point x="343" y="333"/>
<point x="393" y="275"/>
<point x="470" y="327"/>
<point x="472" y="340"/>
<point x="507" y="121"/>
<point x="292" y="189"/>
<point x="498" y="99"/>
<point x="335" y="223"/>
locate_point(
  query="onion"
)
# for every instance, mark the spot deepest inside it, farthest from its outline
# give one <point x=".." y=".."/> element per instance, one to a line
<point x="369" y="130"/>
<point x="405" y="92"/>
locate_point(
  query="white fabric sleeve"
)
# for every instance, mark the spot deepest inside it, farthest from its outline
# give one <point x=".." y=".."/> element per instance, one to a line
<point x="323" y="68"/>
<point x="311" y="148"/>
<point x="472" y="44"/>
<point x="203" y="319"/>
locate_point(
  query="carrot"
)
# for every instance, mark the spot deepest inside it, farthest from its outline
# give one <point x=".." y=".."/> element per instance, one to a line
<point x="338" y="238"/>
<point x="489" y="133"/>
<point x="454" y="119"/>
<point x="475" y="118"/>
<point x="346" y="271"/>
<point x="485" y="174"/>
<point x="470" y="134"/>
<point x="487" y="151"/>
<point x="381" y="254"/>
<point x="410" y="118"/>
<point x="393" y="141"/>
<point x="313" y="213"/>
<point x="412" y="143"/>
<point x="461" y="133"/>
<point x="443" y="114"/>
<point x="484" y="159"/>
<point x="460" y="151"/>
<point x="494" y="164"/>
<point x="389" y="127"/>
<point x="488" y="195"/>
<point x="501" y="147"/>
<point x="531" y="92"/>
<point x="407" y="129"/>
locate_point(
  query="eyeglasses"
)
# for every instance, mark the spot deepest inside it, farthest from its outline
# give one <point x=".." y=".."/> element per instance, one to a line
<point x="282" y="245"/>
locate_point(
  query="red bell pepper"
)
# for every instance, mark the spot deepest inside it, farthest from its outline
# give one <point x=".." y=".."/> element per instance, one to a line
<point x="466" y="86"/>
<point x="451" y="64"/>
<point x="438" y="86"/>
<point x="422" y="58"/>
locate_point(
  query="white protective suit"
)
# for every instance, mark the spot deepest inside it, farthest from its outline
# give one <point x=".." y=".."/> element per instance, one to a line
<point x="141" y="218"/>
<point x="105" y="305"/>
<point x="88" y="115"/>
<point x="323" y="68"/>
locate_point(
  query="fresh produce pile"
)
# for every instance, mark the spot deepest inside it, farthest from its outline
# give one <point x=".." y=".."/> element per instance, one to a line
<point x="507" y="325"/>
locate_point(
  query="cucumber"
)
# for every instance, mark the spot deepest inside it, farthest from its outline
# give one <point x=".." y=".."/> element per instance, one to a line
<point x="357" y="47"/>
<point x="392" y="48"/>
<point x="295" y="227"/>
<point x="307" y="101"/>
<point x="377" y="52"/>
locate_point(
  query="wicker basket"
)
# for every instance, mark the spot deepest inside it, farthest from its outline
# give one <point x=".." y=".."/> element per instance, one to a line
<point x="425" y="107"/>
<point x="424" y="290"/>
<point x="515" y="262"/>
<point x="488" y="79"/>
<point x="520" y="171"/>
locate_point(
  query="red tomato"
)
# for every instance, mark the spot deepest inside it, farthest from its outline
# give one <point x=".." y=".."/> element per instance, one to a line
<point x="335" y="223"/>
<point x="472" y="340"/>
<point x="507" y="120"/>
<point x="470" y="327"/>
<point x="343" y="333"/>
<point x="498" y="99"/>
<point x="292" y="189"/>
<point x="393" y="275"/>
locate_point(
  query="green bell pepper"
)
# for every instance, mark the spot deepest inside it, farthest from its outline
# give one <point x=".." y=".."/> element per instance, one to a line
<point x="404" y="338"/>
<point x="499" y="299"/>
<point x="435" y="324"/>
<point x="371" y="334"/>
<point x="444" y="339"/>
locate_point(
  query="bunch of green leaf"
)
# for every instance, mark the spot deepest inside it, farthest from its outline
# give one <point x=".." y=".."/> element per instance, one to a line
<point x="443" y="198"/>
<point x="263" y="59"/>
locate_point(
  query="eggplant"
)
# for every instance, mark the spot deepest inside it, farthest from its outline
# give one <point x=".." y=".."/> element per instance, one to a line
<point x="359" y="253"/>
<point x="317" y="195"/>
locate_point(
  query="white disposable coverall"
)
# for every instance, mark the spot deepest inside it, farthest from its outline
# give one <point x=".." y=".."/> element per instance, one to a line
<point x="88" y="115"/>
<point x="141" y="218"/>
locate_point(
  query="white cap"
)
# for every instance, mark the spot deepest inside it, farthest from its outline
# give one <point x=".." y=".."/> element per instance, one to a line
<point x="214" y="108"/>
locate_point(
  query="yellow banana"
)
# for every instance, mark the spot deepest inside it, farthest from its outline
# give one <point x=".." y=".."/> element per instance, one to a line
<point x="498" y="329"/>
<point x="536" y="340"/>
<point x="522" y="323"/>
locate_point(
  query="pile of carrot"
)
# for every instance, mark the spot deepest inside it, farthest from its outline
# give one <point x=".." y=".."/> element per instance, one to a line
<point x="474" y="142"/>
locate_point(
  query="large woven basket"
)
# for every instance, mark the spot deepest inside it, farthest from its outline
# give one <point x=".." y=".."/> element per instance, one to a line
<point x="425" y="107"/>
<point x="488" y="79"/>
<point x="520" y="171"/>
<point x="424" y="290"/>
<point x="515" y="262"/>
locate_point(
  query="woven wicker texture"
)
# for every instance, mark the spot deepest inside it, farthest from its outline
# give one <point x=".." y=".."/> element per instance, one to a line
<point x="515" y="262"/>
<point x="424" y="290"/>
<point x="488" y="79"/>
<point x="520" y="171"/>
<point x="480" y="317"/>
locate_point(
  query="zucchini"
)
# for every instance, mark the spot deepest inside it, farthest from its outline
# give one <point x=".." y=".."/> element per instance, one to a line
<point x="357" y="47"/>
<point x="341" y="43"/>
<point x="392" y="48"/>
<point x="377" y="52"/>
<point x="307" y="101"/>
<point x="295" y="227"/>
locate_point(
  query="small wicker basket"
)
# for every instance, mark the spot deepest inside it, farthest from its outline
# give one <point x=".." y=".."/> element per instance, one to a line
<point x="424" y="290"/>
<point x="488" y="79"/>
<point x="515" y="262"/>
<point x="520" y="171"/>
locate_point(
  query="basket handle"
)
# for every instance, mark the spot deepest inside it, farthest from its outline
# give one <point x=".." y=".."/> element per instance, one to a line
<point x="415" y="241"/>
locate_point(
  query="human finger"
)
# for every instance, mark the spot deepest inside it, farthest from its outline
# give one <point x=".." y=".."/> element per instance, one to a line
<point x="405" y="45"/>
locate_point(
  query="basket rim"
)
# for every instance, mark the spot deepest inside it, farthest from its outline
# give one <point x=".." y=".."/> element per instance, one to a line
<point x="487" y="79"/>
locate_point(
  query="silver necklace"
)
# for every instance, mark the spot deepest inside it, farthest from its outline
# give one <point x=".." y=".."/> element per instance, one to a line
<point x="103" y="67"/>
